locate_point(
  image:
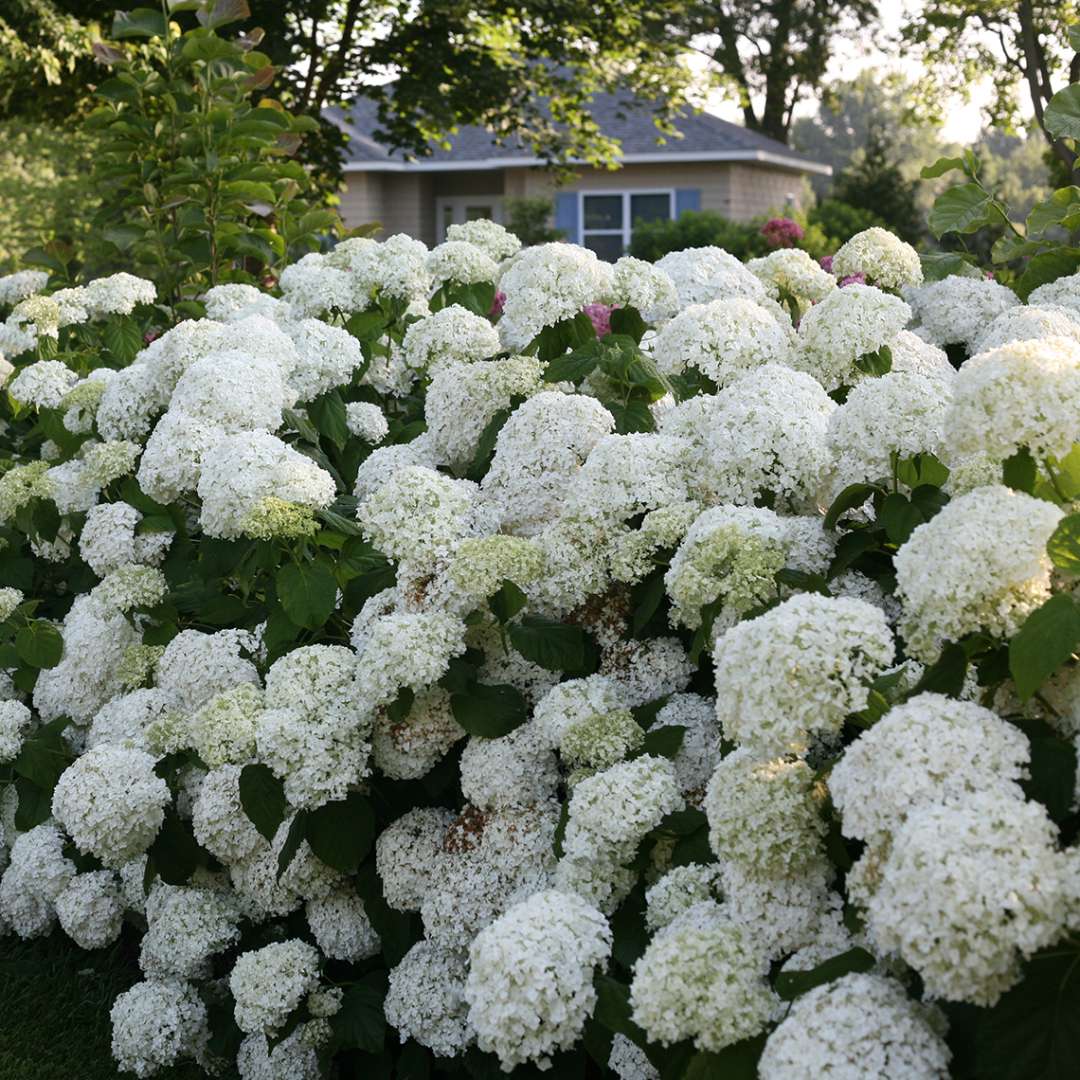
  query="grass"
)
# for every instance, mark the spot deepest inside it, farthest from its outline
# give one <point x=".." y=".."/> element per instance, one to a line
<point x="54" y="1009"/>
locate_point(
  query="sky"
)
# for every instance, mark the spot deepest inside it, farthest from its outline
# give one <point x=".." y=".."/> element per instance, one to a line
<point x="963" y="118"/>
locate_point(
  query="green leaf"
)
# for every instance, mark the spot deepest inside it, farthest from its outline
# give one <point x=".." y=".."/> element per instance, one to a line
<point x="1045" y="641"/>
<point x="308" y="592"/>
<point x="207" y="47"/>
<point x="1033" y="1032"/>
<point x="34" y="806"/>
<point x="937" y="265"/>
<point x="789" y="985"/>
<point x="39" y="644"/>
<point x="1061" y="208"/>
<point x="1019" y="471"/>
<point x="613" y="1009"/>
<point x="963" y="209"/>
<point x="262" y="796"/>
<point x="43" y="757"/>
<point x="628" y="320"/>
<point x="648" y="596"/>
<point x="573" y="367"/>
<point x="293" y="839"/>
<point x="802" y="580"/>
<point x="553" y="645"/>
<point x="341" y="833"/>
<point x="175" y="853"/>
<point x="123" y="339"/>
<point x="663" y="741"/>
<point x="633" y="416"/>
<point x="327" y="413"/>
<point x="854" y="495"/>
<point x="1047" y="267"/>
<point x="489" y="711"/>
<point x="507" y="602"/>
<point x="1063" y="547"/>
<point x="940" y="167"/>
<point x="875" y="363"/>
<point x="1062" y="116"/>
<point x="921" y="469"/>
<point x="945" y="675"/>
<point x="739" y="1061"/>
<point x="142" y="22"/>
<point x="360" y="1024"/>
<point x="1052" y="772"/>
<point x="898" y="517"/>
<point x="485" y="447"/>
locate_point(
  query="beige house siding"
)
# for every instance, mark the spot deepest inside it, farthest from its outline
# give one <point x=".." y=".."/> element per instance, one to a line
<point x="406" y="202"/>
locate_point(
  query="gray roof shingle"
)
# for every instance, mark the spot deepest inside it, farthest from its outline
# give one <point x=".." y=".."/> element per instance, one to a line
<point x="631" y="122"/>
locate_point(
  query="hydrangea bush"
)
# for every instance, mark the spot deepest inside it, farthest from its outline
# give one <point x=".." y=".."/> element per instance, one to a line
<point x="487" y="659"/>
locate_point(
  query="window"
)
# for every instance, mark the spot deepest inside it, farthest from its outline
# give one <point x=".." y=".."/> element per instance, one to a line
<point x="608" y="218"/>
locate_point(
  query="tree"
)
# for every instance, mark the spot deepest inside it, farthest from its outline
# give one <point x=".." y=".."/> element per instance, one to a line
<point x="1033" y="43"/>
<point x="771" y="53"/>
<point x="525" y="69"/>
<point x="873" y="182"/>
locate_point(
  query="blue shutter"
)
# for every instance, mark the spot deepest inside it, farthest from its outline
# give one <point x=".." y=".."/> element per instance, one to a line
<point x="687" y="199"/>
<point x="566" y="215"/>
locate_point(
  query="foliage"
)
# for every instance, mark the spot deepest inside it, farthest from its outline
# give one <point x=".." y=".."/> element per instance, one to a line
<point x="46" y="193"/>
<point x="875" y="184"/>
<point x="772" y="51"/>
<point x="697" y="228"/>
<point x="197" y="186"/>
<point x="962" y="42"/>
<point x="528" y="219"/>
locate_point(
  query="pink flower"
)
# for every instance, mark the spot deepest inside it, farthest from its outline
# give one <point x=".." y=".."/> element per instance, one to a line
<point x="853" y="279"/>
<point x="497" y="304"/>
<point x="825" y="262"/>
<point x="781" y="232"/>
<point x="600" y="317"/>
<point x="151" y="335"/>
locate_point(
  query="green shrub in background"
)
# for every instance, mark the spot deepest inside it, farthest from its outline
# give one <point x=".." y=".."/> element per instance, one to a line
<point x="697" y="228"/>
<point x="46" y="195"/>
<point x="193" y="165"/>
<point x="838" y="221"/>
<point x="529" y="220"/>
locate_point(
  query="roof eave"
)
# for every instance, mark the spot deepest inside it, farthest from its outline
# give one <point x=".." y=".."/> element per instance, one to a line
<point x="761" y="157"/>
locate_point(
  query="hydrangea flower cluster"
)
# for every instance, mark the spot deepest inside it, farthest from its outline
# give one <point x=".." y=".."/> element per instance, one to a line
<point x="401" y="647"/>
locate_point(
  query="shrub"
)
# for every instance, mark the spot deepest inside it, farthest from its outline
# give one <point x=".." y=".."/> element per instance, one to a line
<point x="388" y="662"/>
<point x="528" y="218"/>
<point x="697" y="228"/>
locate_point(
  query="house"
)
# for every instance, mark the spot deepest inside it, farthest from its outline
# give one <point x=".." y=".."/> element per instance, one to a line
<point x="715" y="165"/>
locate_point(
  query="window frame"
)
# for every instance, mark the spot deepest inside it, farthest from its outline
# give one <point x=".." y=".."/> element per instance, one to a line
<point x="627" y="222"/>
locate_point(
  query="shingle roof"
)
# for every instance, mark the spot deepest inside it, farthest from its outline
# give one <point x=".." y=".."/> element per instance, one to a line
<point x="703" y="137"/>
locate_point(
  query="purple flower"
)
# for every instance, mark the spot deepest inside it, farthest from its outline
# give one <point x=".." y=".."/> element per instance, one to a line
<point x="853" y="279"/>
<point x="781" y="232"/>
<point x="497" y="304"/>
<point x="825" y="262"/>
<point x="600" y="317"/>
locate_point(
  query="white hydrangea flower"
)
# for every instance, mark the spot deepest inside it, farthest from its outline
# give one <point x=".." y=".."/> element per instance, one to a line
<point x="156" y="1024"/>
<point x="452" y="335"/>
<point x="109" y="539"/>
<point x="699" y="754"/>
<point x="679" y="890"/>
<point x="645" y="286"/>
<point x="185" y="927"/>
<point x="328" y="356"/>
<point x="462" y="262"/>
<point x="407" y="852"/>
<point x="240" y="471"/>
<point x="111" y="803"/>
<point x="731" y="554"/>
<point x="366" y="421"/>
<point x="703" y="978"/>
<point x="766" y="435"/>
<point x="546" y="284"/>
<point x="794" y="271"/>
<point x="957" y="309"/>
<point x="530" y="983"/>
<point x="722" y="339"/>
<point x="498" y="242"/>
<point x="537" y="452"/>
<point x="1025" y="323"/>
<point x="90" y="910"/>
<point x="42" y="384"/>
<point x="898" y="413"/>
<point x="794" y="673"/>
<point x="218" y="820"/>
<point x="979" y="565"/>
<point x="21" y="284"/>
<point x="931" y="749"/>
<point x="410" y="748"/>
<point x="117" y="294"/>
<point x="882" y="257"/>
<point x="312" y="286"/>
<point x="15" y="719"/>
<point x="857" y="1026"/>
<point x="965" y="891"/>
<point x="10" y="599"/>
<point x="913" y="356"/>
<point x="1065" y="291"/>
<point x="765" y="815"/>
<point x="425" y="1000"/>
<point x="233" y="390"/>
<point x="196" y="666"/>
<point x="341" y="927"/>
<point x="1026" y="393"/>
<point x="395" y="267"/>
<point x="268" y="983"/>
<point x="233" y="300"/>
<point x="709" y="273"/>
<point x="515" y="770"/>
<point x="847" y="324"/>
<point x="37" y="873"/>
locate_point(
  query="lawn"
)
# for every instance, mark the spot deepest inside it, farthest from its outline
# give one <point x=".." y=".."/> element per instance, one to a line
<point x="54" y="1009"/>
